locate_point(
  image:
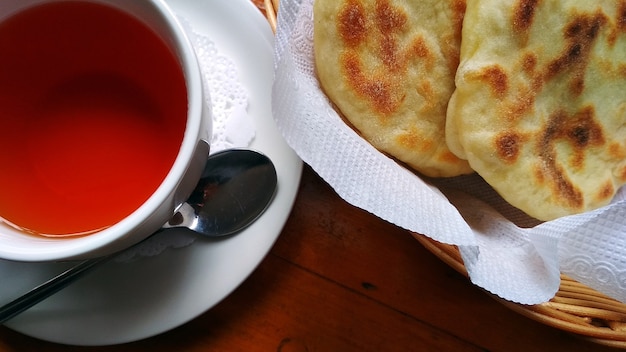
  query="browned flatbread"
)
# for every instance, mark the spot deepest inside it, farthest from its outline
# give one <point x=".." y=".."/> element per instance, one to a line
<point x="540" y="106"/>
<point x="389" y="65"/>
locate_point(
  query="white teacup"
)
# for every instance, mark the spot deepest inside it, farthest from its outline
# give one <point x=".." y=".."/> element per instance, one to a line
<point x="140" y="88"/>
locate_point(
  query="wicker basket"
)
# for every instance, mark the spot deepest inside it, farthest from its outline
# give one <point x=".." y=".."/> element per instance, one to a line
<point x="575" y="308"/>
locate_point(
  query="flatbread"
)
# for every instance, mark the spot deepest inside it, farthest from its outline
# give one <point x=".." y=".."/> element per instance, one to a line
<point x="388" y="66"/>
<point x="539" y="109"/>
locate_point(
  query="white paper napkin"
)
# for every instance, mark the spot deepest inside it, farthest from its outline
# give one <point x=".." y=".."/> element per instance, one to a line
<point x="232" y="127"/>
<point x="504" y="251"/>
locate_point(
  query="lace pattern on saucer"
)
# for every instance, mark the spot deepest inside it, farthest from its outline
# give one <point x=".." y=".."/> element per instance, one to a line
<point x="232" y="128"/>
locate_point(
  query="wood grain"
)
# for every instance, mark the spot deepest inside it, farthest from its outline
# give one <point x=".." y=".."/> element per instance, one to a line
<point x="340" y="279"/>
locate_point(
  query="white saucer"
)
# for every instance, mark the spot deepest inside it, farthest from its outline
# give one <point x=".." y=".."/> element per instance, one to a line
<point x="124" y="302"/>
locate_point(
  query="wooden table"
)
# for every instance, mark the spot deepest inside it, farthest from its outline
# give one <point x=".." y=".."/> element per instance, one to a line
<point x="340" y="279"/>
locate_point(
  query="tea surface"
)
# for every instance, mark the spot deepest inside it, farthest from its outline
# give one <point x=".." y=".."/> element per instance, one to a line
<point x="92" y="114"/>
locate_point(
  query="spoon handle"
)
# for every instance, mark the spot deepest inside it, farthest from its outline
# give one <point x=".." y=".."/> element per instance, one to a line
<point x="48" y="288"/>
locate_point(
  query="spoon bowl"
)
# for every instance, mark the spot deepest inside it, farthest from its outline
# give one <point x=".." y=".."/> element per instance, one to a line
<point x="239" y="184"/>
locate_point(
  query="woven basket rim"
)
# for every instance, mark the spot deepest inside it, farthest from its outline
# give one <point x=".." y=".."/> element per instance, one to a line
<point x="575" y="308"/>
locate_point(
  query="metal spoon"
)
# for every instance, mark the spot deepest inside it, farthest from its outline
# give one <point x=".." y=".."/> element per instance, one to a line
<point x="235" y="189"/>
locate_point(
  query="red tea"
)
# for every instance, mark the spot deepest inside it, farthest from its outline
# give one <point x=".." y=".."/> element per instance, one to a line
<point x="93" y="109"/>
